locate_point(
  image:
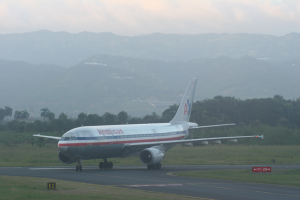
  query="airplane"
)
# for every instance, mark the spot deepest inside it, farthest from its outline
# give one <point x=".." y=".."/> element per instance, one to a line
<point x="148" y="141"/>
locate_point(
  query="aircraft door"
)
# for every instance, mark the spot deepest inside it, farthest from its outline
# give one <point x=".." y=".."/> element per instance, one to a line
<point x="155" y="134"/>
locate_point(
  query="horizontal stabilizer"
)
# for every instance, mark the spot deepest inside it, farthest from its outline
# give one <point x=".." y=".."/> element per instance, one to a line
<point x="45" y="136"/>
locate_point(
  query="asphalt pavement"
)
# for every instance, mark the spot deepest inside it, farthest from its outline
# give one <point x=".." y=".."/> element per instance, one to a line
<point x="163" y="180"/>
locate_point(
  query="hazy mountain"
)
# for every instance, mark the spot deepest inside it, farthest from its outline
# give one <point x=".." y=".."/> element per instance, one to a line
<point x="243" y="78"/>
<point x="66" y="49"/>
<point x="106" y="83"/>
<point x="19" y="81"/>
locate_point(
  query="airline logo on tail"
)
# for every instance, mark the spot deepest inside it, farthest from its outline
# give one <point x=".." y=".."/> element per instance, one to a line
<point x="187" y="108"/>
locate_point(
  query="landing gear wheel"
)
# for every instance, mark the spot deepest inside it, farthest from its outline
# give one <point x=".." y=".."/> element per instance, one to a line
<point x="110" y="165"/>
<point x="158" y="166"/>
<point x="150" y="166"/>
<point x="101" y="165"/>
<point x="78" y="166"/>
<point x="105" y="165"/>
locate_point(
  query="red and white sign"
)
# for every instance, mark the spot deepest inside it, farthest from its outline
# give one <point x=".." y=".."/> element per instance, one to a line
<point x="261" y="169"/>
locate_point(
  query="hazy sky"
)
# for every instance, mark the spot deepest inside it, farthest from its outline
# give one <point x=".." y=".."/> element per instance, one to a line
<point x="135" y="17"/>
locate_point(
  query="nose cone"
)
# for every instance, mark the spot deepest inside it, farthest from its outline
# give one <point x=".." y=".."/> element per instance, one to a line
<point x="62" y="148"/>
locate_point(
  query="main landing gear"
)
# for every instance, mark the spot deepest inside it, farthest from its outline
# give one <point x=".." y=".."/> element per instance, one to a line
<point x="154" y="166"/>
<point x="78" y="166"/>
<point x="105" y="164"/>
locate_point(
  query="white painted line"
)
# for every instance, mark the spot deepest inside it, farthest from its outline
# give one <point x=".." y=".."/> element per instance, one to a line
<point x="47" y="168"/>
<point x="155" y="185"/>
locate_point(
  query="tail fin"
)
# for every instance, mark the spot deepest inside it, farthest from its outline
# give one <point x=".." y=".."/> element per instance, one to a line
<point x="184" y="111"/>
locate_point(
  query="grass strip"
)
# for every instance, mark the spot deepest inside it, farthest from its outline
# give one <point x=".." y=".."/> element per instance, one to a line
<point x="14" y="187"/>
<point x="27" y="155"/>
<point x="277" y="176"/>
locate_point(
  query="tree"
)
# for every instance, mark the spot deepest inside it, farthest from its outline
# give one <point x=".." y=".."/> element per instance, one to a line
<point x="24" y="114"/>
<point x="82" y="116"/>
<point x="44" y="112"/>
<point x="81" y="119"/>
<point x="93" y="120"/>
<point x="8" y="111"/>
<point x="2" y="114"/>
<point x="153" y="118"/>
<point x="135" y="120"/>
<point x="63" y="116"/>
<point x="51" y="116"/>
<point x="109" y="119"/>
<point x="283" y="122"/>
<point x="169" y="113"/>
<point x="18" y="115"/>
<point x="255" y="123"/>
<point x="123" y="117"/>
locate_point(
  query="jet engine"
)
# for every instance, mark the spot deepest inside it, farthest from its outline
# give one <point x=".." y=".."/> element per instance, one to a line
<point x="151" y="156"/>
<point x="65" y="159"/>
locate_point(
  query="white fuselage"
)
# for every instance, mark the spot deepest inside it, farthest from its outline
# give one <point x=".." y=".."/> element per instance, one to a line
<point x="92" y="142"/>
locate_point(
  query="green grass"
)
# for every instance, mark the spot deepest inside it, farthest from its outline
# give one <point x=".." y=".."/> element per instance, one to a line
<point x="279" y="176"/>
<point x="27" y="155"/>
<point x="13" y="187"/>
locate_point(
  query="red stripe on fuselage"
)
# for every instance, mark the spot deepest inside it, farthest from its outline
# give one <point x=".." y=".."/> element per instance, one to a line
<point x="117" y="142"/>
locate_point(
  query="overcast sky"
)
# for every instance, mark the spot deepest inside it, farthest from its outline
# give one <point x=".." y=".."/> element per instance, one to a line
<point x="135" y="17"/>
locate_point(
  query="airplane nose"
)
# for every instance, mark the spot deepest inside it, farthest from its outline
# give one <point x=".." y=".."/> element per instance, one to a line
<point x="62" y="149"/>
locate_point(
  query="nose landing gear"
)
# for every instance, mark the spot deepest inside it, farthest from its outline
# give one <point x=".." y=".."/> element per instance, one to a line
<point x="105" y="164"/>
<point x="78" y="166"/>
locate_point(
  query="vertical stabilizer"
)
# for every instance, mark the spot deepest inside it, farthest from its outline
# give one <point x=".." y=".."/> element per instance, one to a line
<point x="184" y="111"/>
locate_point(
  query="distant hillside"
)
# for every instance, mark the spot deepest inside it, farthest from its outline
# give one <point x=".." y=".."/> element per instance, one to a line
<point x="106" y="83"/>
<point x="19" y="81"/>
<point x="66" y="49"/>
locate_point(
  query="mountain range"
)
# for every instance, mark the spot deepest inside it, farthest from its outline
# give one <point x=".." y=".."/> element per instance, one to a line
<point x="108" y="83"/>
<point x="68" y="49"/>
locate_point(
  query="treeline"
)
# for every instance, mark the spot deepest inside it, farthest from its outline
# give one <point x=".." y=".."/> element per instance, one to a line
<point x="274" y="112"/>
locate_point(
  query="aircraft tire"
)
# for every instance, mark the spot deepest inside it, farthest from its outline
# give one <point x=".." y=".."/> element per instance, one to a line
<point x="80" y="168"/>
<point x="158" y="166"/>
<point x="76" y="168"/>
<point x="149" y="166"/>
<point x="110" y="165"/>
<point x="105" y="165"/>
<point x="101" y="165"/>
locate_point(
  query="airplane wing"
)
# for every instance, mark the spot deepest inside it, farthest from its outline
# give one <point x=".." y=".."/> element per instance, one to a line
<point x="190" y="140"/>
<point x="45" y="136"/>
<point x="196" y="127"/>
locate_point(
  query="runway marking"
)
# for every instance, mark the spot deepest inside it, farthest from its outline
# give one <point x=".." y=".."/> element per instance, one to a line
<point x="202" y="184"/>
<point x="205" y="185"/>
<point x="134" y="178"/>
<point x="47" y="168"/>
<point x="154" y="185"/>
<point x="192" y="197"/>
<point x="171" y="174"/>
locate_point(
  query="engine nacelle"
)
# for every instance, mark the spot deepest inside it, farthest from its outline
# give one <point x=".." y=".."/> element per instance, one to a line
<point x="151" y="156"/>
<point x="65" y="159"/>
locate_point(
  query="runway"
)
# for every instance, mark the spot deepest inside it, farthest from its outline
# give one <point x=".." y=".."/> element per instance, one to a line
<point x="163" y="180"/>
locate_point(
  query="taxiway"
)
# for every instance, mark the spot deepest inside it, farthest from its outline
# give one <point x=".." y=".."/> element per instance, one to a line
<point x="163" y="180"/>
